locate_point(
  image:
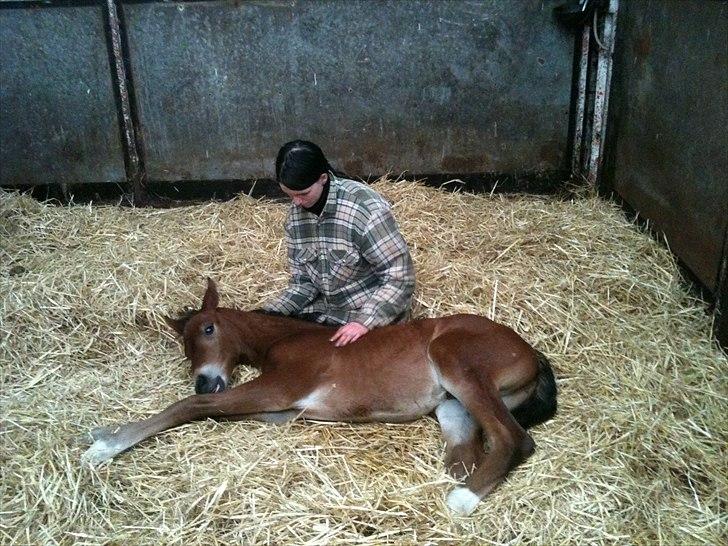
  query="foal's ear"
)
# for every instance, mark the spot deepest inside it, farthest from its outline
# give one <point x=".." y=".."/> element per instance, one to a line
<point x="211" y="299"/>
<point x="178" y="325"/>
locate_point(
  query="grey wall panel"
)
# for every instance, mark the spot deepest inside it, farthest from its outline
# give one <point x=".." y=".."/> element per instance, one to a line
<point x="430" y="86"/>
<point x="669" y="113"/>
<point x="58" y="120"/>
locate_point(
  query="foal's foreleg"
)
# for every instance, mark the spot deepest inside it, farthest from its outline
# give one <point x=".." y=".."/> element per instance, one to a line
<point x="259" y="396"/>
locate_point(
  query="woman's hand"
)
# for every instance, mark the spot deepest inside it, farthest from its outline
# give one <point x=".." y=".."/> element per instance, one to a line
<point x="348" y="333"/>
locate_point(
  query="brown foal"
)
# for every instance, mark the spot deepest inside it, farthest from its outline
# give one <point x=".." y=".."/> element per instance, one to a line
<point x="480" y="379"/>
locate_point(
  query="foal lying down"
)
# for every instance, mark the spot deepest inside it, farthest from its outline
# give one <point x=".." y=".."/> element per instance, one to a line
<point x="478" y="377"/>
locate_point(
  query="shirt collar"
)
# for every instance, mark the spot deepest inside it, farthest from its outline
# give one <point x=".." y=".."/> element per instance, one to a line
<point x="331" y="200"/>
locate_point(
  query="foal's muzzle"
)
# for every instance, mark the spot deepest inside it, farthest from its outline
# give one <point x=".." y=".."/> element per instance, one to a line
<point x="206" y="384"/>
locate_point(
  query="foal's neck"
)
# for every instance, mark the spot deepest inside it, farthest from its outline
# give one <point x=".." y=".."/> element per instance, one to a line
<point x="258" y="332"/>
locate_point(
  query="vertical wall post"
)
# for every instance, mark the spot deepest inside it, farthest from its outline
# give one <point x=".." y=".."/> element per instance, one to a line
<point x="601" y="94"/>
<point x="576" y="161"/>
<point x="134" y="171"/>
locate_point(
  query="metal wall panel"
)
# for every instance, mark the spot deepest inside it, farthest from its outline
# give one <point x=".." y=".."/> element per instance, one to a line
<point x="430" y="86"/>
<point x="58" y="119"/>
<point x="668" y="155"/>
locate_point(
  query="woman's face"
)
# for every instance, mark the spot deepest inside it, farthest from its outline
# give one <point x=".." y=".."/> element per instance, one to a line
<point x="307" y="198"/>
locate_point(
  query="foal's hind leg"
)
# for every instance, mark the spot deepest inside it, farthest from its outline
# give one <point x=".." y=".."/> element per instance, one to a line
<point x="509" y="444"/>
<point x="463" y="438"/>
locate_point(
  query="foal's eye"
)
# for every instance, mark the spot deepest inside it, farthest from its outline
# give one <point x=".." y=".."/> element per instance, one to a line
<point x="209" y="329"/>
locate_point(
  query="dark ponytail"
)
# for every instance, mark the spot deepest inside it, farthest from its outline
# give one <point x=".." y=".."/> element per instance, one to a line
<point x="300" y="163"/>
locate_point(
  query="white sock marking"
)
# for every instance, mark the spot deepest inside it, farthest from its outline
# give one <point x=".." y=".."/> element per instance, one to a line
<point x="100" y="451"/>
<point x="456" y="422"/>
<point x="462" y="501"/>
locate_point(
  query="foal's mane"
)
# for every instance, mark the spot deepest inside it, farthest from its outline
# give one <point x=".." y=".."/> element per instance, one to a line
<point x="188" y="312"/>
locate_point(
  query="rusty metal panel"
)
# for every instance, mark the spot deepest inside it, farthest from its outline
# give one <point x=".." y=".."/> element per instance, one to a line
<point x="432" y="86"/>
<point x="58" y="119"/>
<point x="668" y="141"/>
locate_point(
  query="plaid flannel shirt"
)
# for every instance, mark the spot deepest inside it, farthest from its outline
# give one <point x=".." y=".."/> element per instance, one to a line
<point x="350" y="263"/>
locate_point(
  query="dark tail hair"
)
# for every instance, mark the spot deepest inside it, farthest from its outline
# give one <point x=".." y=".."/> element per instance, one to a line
<point x="541" y="405"/>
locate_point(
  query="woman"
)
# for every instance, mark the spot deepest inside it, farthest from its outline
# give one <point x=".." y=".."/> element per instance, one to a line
<point x="350" y="266"/>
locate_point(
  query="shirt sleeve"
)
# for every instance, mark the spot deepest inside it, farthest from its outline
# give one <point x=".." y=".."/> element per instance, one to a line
<point x="300" y="291"/>
<point x="383" y="246"/>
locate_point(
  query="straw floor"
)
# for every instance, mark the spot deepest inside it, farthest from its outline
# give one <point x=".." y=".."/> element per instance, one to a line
<point x="635" y="455"/>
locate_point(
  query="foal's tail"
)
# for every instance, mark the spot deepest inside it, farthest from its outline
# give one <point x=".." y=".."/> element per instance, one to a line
<point x="541" y="405"/>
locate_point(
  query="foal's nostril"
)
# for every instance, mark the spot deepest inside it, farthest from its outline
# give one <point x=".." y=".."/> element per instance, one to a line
<point x="219" y="385"/>
<point x="201" y="384"/>
<point x="206" y="384"/>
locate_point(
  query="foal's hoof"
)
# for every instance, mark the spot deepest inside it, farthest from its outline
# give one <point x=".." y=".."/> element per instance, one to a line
<point x="462" y="501"/>
<point x="100" y="451"/>
<point x="106" y="445"/>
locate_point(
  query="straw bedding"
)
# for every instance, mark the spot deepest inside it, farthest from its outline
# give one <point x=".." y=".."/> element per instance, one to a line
<point x="636" y="453"/>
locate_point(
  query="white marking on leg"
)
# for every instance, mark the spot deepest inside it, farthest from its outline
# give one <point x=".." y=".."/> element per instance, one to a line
<point x="458" y="426"/>
<point x="101" y="451"/>
<point x="462" y="501"/>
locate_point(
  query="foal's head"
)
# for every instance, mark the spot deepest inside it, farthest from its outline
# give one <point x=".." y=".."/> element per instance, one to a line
<point x="209" y="343"/>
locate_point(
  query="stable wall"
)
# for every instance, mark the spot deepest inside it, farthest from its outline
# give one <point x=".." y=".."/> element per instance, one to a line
<point x="667" y="145"/>
<point x="58" y="113"/>
<point x="432" y="87"/>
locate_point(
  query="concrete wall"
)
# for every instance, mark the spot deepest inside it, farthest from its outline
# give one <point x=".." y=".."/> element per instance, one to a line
<point x="429" y="86"/>
<point x="58" y="117"/>
<point x="667" y="146"/>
